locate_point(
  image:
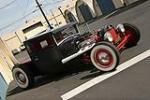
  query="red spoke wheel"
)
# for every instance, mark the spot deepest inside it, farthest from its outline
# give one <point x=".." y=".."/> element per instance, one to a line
<point x="105" y="56"/>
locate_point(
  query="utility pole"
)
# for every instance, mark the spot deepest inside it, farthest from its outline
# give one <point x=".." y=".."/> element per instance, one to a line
<point x="49" y="25"/>
<point x="59" y="8"/>
<point x="46" y="20"/>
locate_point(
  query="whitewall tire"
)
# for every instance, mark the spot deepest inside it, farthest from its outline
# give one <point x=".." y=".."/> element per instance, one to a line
<point x="23" y="77"/>
<point x="105" y="56"/>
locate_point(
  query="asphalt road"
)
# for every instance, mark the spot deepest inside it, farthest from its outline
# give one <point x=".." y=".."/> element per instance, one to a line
<point x="132" y="83"/>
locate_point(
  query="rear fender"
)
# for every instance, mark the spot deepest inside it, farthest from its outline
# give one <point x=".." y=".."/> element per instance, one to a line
<point x="31" y="66"/>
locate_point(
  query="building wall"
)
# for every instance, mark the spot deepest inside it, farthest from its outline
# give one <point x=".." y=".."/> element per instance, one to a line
<point x="5" y="69"/>
<point x="30" y="29"/>
<point x="11" y="40"/>
<point x="7" y="62"/>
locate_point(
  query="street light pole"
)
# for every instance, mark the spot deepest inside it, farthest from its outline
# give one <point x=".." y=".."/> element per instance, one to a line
<point x="43" y="14"/>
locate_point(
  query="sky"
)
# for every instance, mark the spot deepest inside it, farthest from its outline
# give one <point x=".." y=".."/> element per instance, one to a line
<point x="18" y="9"/>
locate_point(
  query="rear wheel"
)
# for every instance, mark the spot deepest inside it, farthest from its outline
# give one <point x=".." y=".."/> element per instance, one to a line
<point x="135" y="34"/>
<point x="105" y="56"/>
<point x="23" y="76"/>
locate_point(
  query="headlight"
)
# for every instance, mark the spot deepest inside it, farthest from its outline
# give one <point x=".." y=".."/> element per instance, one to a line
<point x="121" y="27"/>
<point x="108" y="36"/>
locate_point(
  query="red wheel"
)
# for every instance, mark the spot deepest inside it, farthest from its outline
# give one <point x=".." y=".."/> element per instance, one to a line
<point x="134" y="32"/>
<point x="105" y="57"/>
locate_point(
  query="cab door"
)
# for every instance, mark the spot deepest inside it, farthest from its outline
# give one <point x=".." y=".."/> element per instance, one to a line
<point x="44" y="54"/>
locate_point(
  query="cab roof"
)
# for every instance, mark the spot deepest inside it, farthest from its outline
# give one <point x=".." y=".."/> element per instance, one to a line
<point x="52" y="31"/>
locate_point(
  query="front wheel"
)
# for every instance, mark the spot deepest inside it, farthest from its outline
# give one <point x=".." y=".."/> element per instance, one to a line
<point x="23" y="76"/>
<point x="134" y="32"/>
<point x="105" y="56"/>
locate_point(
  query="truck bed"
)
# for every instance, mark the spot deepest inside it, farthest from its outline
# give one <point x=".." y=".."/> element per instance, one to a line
<point x="23" y="57"/>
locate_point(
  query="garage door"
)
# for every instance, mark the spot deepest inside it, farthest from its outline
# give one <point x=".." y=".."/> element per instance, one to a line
<point x="71" y="17"/>
<point x="3" y="87"/>
<point x="106" y="6"/>
<point x="86" y="13"/>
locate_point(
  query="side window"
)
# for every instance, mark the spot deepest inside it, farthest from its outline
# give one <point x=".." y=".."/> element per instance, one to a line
<point x="44" y="44"/>
<point x="40" y="43"/>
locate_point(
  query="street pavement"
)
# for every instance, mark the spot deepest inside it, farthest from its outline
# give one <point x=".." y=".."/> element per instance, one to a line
<point x="130" y="84"/>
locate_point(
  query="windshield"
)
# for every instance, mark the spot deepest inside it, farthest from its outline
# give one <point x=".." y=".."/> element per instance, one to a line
<point x="61" y="35"/>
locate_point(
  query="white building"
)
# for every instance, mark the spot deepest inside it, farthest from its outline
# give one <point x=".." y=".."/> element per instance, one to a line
<point x="7" y="62"/>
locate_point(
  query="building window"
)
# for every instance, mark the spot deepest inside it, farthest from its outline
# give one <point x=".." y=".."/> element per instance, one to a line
<point x="30" y="28"/>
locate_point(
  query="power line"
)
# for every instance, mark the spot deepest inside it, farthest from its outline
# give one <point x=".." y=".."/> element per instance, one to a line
<point x="16" y="21"/>
<point x="10" y="3"/>
<point x="48" y="3"/>
<point x="26" y="15"/>
<point x="26" y="8"/>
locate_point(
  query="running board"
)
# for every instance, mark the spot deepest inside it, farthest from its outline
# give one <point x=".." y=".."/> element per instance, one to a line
<point x="81" y="51"/>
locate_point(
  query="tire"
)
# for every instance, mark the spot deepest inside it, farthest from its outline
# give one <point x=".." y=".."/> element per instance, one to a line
<point x="135" y="37"/>
<point x="27" y="76"/>
<point x="102" y="50"/>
